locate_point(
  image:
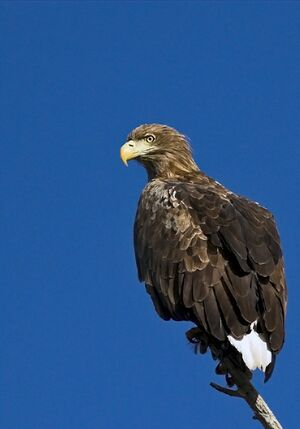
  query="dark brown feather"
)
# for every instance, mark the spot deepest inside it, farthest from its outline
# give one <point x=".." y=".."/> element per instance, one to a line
<point x="206" y="254"/>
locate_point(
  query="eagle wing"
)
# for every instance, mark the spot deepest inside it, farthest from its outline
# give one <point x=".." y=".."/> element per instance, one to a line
<point x="212" y="257"/>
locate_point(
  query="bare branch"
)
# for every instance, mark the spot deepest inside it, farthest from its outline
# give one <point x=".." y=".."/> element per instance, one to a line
<point x="227" y="391"/>
<point x="246" y="390"/>
<point x="229" y="366"/>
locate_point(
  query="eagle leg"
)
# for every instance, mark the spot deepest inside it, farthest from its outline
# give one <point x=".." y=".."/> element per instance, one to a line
<point x="222" y="351"/>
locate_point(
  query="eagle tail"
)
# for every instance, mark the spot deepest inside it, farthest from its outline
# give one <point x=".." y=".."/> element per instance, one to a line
<point x="224" y="351"/>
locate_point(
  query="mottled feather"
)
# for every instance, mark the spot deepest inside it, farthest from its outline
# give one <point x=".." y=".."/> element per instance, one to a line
<point x="206" y="254"/>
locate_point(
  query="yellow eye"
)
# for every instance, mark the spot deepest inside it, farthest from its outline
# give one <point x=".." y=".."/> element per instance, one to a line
<point x="150" y="138"/>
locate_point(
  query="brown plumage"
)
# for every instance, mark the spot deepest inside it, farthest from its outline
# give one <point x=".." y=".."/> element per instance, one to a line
<point x="205" y="254"/>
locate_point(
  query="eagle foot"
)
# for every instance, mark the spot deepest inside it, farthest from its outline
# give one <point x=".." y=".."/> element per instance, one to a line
<point x="199" y="339"/>
<point x="194" y="335"/>
<point x="221" y="369"/>
<point x="221" y="351"/>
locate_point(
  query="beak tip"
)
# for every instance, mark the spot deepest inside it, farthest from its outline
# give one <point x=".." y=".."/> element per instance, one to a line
<point x="123" y="156"/>
<point x="124" y="160"/>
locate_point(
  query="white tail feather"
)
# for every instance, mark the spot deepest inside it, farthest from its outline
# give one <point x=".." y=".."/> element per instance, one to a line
<point x="254" y="350"/>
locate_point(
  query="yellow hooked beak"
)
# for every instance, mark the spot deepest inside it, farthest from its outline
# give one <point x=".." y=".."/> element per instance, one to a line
<point x="132" y="149"/>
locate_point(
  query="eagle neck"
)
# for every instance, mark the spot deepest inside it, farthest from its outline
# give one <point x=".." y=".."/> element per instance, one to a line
<point x="170" y="167"/>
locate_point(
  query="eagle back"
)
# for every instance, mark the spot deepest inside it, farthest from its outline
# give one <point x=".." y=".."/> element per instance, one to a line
<point x="212" y="257"/>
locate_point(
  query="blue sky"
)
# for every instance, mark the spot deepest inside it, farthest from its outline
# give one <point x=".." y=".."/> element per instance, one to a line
<point x="81" y="345"/>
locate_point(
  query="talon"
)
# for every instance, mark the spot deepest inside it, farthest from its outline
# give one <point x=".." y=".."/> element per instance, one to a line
<point x="229" y="380"/>
<point x="221" y="369"/>
<point x="203" y="347"/>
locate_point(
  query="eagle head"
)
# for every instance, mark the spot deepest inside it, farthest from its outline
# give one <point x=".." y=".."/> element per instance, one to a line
<point x="162" y="150"/>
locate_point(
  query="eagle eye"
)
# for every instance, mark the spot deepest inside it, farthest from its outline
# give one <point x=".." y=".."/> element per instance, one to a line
<point x="150" y="138"/>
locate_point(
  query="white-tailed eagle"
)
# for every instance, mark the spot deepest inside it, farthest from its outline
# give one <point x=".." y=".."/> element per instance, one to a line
<point x="206" y="254"/>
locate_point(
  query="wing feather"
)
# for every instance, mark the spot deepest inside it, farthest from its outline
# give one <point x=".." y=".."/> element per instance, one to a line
<point x="212" y="257"/>
<point x="213" y="316"/>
